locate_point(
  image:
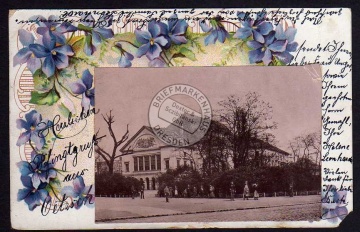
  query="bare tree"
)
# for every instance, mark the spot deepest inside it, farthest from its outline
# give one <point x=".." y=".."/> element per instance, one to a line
<point x="307" y="146"/>
<point x="246" y="119"/>
<point x="110" y="157"/>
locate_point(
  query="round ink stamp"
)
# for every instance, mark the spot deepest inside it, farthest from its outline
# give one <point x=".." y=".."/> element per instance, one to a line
<point x="180" y="115"/>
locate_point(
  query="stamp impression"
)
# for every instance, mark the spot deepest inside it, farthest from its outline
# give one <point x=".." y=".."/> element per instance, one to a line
<point x="180" y="115"/>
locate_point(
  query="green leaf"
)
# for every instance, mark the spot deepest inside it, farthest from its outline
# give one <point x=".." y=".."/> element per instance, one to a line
<point x="46" y="98"/>
<point x="41" y="81"/>
<point x="185" y="52"/>
<point x="188" y="54"/>
<point x="63" y="110"/>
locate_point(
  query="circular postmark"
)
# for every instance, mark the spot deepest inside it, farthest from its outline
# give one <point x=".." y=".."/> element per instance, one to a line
<point x="180" y="115"/>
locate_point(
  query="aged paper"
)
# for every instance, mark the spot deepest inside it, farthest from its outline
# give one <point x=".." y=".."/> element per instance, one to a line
<point x="149" y="136"/>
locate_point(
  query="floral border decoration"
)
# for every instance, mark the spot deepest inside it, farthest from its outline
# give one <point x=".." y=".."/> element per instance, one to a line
<point x="61" y="67"/>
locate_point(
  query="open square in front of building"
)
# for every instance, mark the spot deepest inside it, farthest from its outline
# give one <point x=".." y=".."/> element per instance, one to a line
<point x="156" y="209"/>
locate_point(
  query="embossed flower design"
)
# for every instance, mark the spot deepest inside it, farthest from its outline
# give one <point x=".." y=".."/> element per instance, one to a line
<point x="152" y="40"/>
<point x="216" y="31"/>
<point x="84" y="87"/>
<point x="84" y="195"/>
<point x="25" y="55"/>
<point x="40" y="171"/>
<point x="33" y="196"/>
<point x="264" y="51"/>
<point x="33" y="126"/>
<point x="54" y="56"/>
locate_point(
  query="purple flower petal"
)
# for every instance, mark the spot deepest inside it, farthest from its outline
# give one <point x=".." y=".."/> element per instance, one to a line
<point x="269" y="39"/>
<point x="222" y="34"/>
<point x="267" y="57"/>
<point x="39" y="50"/>
<point x="157" y="63"/>
<point x="22" y="56"/>
<point x="85" y="102"/>
<point x="33" y="64"/>
<point x="48" y="66"/>
<point x="180" y="27"/>
<point x="161" y="40"/>
<point x="69" y="191"/>
<point x="278" y="46"/>
<point x="24" y="167"/>
<point x="79" y="185"/>
<point x="258" y="36"/>
<point x="89" y="49"/>
<point x="285" y="56"/>
<point x="142" y="37"/>
<point x="22" y="124"/>
<point x="35" y="180"/>
<point x="204" y="26"/>
<point x="254" y="44"/>
<point x="26" y="181"/>
<point x="173" y="20"/>
<point x="290" y="34"/>
<point x="66" y="27"/>
<point x="49" y="40"/>
<point x="23" y="138"/>
<point x="243" y="33"/>
<point x="78" y="87"/>
<point x="341" y="212"/>
<point x="39" y="141"/>
<point x="178" y="39"/>
<point x="33" y="117"/>
<point x="154" y="51"/>
<point x="105" y="33"/>
<point x="124" y="62"/>
<point x="32" y="201"/>
<point x="61" y="61"/>
<point x="279" y="32"/>
<point x="23" y="193"/>
<point x="143" y="50"/>
<point x="256" y="56"/>
<point x="211" y="39"/>
<point x="87" y="79"/>
<point x="26" y="37"/>
<point x="128" y="56"/>
<point x="264" y="28"/>
<point x="66" y="50"/>
<point x="154" y="29"/>
<point x="291" y="47"/>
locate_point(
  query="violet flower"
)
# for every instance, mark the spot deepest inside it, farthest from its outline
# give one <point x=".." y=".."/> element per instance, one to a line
<point x="83" y="86"/>
<point x="152" y="40"/>
<point x="54" y="56"/>
<point x="216" y="29"/>
<point x="94" y="33"/>
<point x="40" y="171"/>
<point x="258" y="28"/>
<point x="33" y="196"/>
<point x="25" y="55"/>
<point x="33" y="126"/>
<point x="125" y="57"/>
<point x="54" y="26"/>
<point x="264" y="51"/>
<point x="177" y="29"/>
<point x="289" y="36"/>
<point x="83" y="195"/>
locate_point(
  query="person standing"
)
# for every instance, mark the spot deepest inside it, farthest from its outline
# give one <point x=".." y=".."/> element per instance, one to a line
<point x="142" y="192"/>
<point x="212" y="189"/>
<point x="246" y="191"/>
<point x="256" y="194"/>
<point x="132" y="191"/>
<point x="167" y="193"/>
<point x="176" y="192"/>
<point x="232" y="191"/>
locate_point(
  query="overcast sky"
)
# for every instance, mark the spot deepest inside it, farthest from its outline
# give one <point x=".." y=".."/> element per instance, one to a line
<point x="293" y="92"/>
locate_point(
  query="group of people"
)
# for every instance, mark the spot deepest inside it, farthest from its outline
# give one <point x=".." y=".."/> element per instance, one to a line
<point x="194" y="192"/>
<point x="134" y="192"/>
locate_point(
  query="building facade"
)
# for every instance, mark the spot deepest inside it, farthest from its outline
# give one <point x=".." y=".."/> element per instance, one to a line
<point x="145" y="156"/>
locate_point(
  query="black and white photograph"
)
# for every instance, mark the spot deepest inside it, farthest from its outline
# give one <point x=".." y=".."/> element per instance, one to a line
<point x="208" y="144"/>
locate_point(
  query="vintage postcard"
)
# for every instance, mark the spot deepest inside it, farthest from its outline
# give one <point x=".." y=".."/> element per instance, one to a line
<point x="179" y="118"/>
